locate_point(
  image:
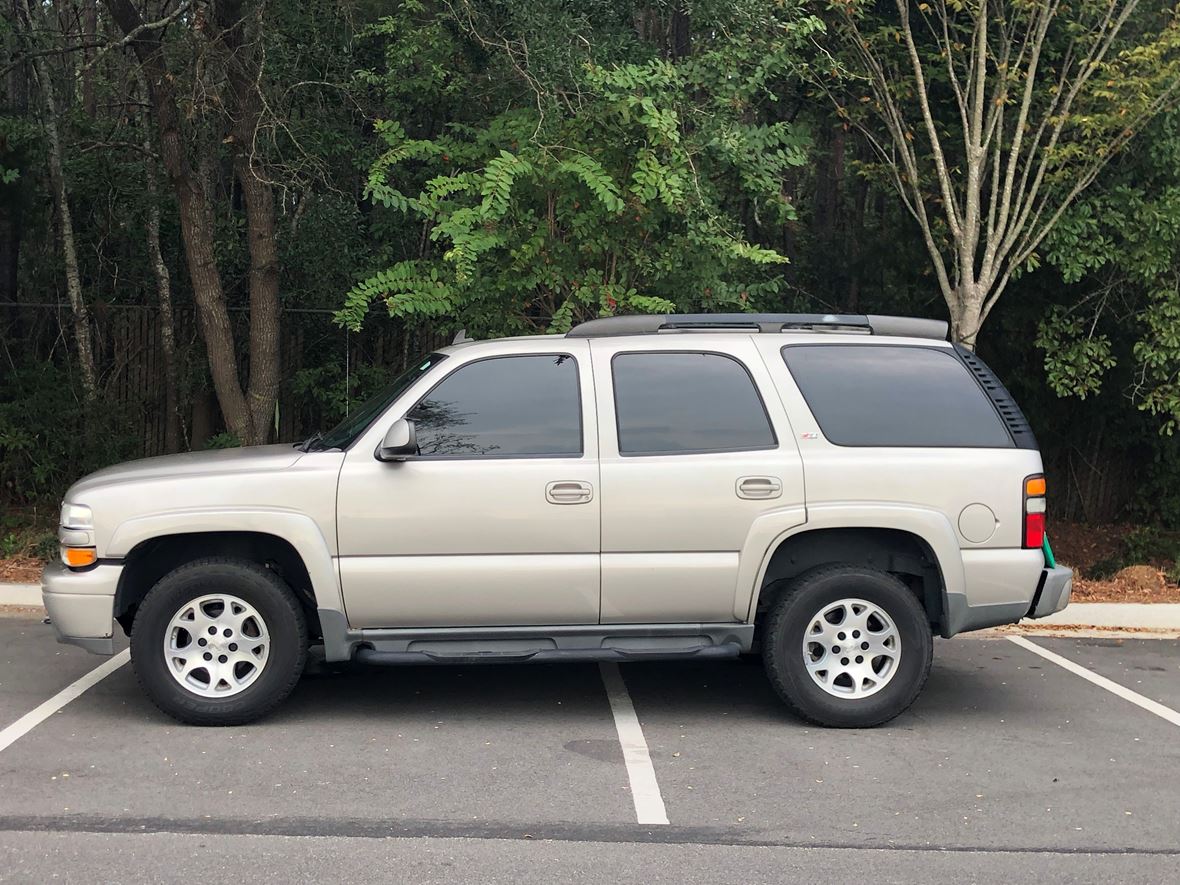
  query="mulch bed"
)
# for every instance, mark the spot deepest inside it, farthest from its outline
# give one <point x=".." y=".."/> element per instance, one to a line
<point x="20" y="570"/>
<point x="1081" y="546"/>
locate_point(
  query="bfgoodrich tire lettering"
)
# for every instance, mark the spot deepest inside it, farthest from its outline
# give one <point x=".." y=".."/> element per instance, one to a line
<point x="828" y="589"/>
<point x="262" y="592"/>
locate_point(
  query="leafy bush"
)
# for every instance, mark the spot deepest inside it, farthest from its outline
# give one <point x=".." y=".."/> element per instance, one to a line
<point x="1144" y="545"/>
<point x="223" y="440"/>
<point x="49" y="437"/>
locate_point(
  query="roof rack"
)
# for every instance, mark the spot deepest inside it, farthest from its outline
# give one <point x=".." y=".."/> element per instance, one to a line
<point x="651" y="324"/>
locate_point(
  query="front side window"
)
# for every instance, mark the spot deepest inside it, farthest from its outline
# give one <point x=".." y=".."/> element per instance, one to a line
<point x="517" y="406"/>
<point x="345" y="433"/>
<point x="893" y="395"/>
<point x="673" y="403"/>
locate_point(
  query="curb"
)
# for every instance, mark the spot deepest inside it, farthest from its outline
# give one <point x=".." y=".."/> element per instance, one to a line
<point x="24" y="595"/>
<point x="1114" y="616"/>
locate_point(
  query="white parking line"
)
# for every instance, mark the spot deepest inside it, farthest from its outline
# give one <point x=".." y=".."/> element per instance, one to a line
<point x="1165" y="713"/>
<point x="35" y="717"/>
<point x="645" y="791"/>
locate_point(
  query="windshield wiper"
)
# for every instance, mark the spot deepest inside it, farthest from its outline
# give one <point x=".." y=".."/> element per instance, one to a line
<point x="313" y="440"/>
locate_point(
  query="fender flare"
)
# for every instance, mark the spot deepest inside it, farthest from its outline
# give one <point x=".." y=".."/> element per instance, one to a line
<point x="297" y="529"/>
<point x="930" y="526"/>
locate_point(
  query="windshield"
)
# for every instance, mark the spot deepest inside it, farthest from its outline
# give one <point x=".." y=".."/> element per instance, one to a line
<point x="358" y="420"/>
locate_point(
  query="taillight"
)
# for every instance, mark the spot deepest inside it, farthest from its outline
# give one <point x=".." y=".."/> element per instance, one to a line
<point x="1034" y="512"/>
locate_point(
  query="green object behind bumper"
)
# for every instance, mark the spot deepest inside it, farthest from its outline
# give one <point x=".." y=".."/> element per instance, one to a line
<point x="1050" y="560"/>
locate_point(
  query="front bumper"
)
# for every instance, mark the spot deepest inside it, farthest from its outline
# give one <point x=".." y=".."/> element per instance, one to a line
<point x="1053" y="593"/>
<point x="81" y="604"/>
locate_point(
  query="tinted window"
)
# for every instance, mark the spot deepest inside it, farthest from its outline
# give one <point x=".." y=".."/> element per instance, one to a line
<point x="687" y="402"/>
<point x="880" y="395"/>
<point x="520" y="405"/>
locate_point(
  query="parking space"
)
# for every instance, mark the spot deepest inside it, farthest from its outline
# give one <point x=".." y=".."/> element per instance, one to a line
<point x="1151" y="668"/>
<point x="1002" y="749"/>
<point x="24" y="639"/>
<point x="1003" y="752"/>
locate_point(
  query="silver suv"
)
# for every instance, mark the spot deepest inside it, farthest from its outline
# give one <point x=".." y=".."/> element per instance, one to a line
<point x="827" y="491"/>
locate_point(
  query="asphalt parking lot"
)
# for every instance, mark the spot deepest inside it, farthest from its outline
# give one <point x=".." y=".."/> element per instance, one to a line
<point x="1009" y="765"/>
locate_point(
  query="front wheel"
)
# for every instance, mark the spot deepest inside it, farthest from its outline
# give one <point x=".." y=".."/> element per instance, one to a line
<point x="848" y="646"/>
<point x="219" y="642"/>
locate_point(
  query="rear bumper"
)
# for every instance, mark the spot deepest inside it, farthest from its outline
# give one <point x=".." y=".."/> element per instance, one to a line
<point x="1053" y="593"/>
<point x="1005" y="586"/>
<point x="81" y="605"/>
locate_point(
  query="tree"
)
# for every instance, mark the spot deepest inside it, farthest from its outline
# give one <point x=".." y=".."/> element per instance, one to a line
<point x="991" y="118"/>
<point x="61" y="199"/>
<point x="248" y="413"/>
<point x="1118" y="249"/>
<point x="628" y="183"/>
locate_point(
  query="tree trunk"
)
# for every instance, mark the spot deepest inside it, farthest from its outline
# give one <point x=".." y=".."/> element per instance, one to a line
<point x="966" y="308"/>
<point x="15" y="99"/>
<point x="265" y="368"/>
<point x="195" y="222"/>
<point x="89" y="35"/>
<point x="57" y="183"/>
<point x="681" y="28"/>
<point x="163" y="291"/>
<point x="258" y="200"/>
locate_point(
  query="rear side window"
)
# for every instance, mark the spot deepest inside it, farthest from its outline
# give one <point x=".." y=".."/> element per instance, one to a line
<point x="668" y="402"/>
<point x="517" y="406"/>
<point x="884" y="395"/>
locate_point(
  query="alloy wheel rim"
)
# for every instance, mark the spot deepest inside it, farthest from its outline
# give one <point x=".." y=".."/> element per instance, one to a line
<point x="216" y="646"/>
<point x="851" y="648"/>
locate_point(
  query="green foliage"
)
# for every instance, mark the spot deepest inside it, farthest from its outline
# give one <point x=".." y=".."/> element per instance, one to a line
<point x="538" y="217"/>
<point x="1124" y="238"/>
<point x="1158" y="355"/>
<point x="49" y="437"/>
<point x="1143" y="545"/>
<point x="223" y="440"/>
<point x="517" y="167"/>
<point x="1075" y="362"/>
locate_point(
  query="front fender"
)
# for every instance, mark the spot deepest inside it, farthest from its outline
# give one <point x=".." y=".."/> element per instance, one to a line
<point x="770" y="530"/>
<point x="297" y="529"/>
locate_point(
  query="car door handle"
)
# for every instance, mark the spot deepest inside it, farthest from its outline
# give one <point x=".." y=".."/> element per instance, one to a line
<point x="759" y="487"/>
<point x="569" y="492"/>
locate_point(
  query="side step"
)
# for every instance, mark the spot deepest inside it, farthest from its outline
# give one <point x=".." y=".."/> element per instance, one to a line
<point x="366" y="655"/>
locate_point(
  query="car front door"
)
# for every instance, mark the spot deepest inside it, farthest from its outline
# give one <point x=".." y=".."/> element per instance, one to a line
<point x="692" y="454"/>
<point x="496" y="521"/>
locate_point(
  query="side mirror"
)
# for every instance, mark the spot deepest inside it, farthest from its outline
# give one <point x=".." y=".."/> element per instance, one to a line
<point x="400" y="442"/>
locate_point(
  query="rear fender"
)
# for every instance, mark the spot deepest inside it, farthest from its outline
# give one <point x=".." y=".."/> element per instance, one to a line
<point x="770" y="530"/>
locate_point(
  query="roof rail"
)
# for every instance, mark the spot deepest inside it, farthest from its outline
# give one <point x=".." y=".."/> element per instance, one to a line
<point x="650" y="324"/>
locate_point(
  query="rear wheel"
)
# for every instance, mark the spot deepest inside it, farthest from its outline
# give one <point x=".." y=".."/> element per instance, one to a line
<point x="219" y="642"/>
<point x="848" y="646"/>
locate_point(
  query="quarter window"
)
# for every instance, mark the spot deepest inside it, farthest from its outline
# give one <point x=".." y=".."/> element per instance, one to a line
<point x="894" y="395"/>
<point x="669" y="402"/>
<point x="503" y="407"/>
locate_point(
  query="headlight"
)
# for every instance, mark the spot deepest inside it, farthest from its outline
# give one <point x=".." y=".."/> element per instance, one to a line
<point x="75" y="534"/>
<point x="76" y="516"/>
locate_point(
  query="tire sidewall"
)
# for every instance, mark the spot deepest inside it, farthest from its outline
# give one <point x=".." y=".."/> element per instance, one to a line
<point x="812" y="594"/>
<point x="252" y="584"/>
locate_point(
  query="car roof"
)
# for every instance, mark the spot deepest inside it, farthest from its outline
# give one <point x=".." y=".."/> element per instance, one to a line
<point x="797" y="328"/>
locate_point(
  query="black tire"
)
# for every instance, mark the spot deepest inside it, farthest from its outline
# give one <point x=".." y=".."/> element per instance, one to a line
<point x="253" y="584"/>
<point x="792" y="613"/>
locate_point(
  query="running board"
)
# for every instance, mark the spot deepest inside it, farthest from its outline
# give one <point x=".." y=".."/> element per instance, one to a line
<point x="366" y="655"/>
<point x="592" y="642"/>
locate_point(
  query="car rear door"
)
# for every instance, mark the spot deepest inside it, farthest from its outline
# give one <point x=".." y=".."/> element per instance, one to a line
<point x="695" y="447"/>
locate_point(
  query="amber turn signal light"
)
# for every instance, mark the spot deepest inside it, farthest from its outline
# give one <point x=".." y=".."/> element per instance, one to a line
<point x="1035" y="486"/>
<point x="78" y="557"/>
